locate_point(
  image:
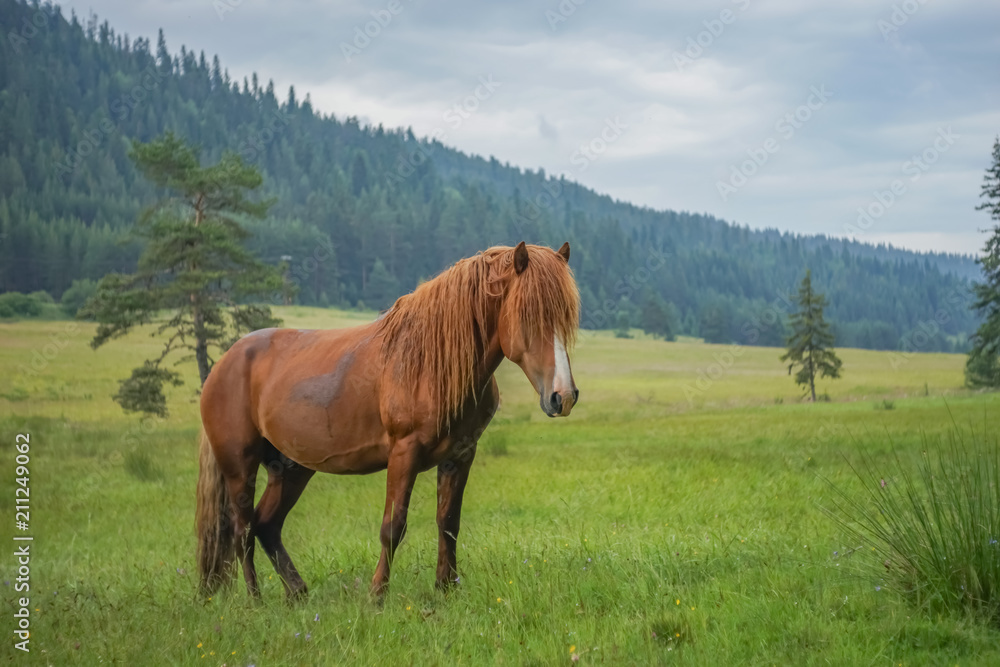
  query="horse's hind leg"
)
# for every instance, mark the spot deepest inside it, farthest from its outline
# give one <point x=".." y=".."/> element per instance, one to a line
<point x="286" y="480"/>
<point x="239" y="468"/>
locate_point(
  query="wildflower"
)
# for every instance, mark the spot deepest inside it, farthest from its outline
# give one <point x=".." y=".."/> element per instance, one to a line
<point x="677" y="601"/>
<point x="199" y="645"/>
<point x="317" y="617"/>
<point x="882" y="483"/>
<point x="499" y="599"/>
<point x="572" y="648"/>
<point x="575" y="657"/>
<point x="878" y="588"/>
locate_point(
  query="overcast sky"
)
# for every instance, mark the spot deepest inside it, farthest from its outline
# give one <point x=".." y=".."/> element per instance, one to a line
<point x="767" y="113"/>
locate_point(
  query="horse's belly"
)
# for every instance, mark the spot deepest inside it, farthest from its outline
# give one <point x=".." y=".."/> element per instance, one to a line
<point x="328" y="440"/>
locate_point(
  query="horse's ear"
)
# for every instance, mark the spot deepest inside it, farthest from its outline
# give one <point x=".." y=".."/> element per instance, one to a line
<point x="564" y="251"/>
<point x="520" y="257"/>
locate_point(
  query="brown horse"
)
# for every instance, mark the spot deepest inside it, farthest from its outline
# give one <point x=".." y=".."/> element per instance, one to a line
<point x="408" y="392"/>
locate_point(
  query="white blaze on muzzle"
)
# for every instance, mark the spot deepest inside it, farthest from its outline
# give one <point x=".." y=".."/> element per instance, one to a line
<point x="562" y="381"/>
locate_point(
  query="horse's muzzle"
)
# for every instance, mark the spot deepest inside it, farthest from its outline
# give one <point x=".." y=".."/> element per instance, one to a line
<point x="555" y="405"/>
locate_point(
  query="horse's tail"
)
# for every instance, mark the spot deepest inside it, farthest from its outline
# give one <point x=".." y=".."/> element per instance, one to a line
<point x="216" y="538"/>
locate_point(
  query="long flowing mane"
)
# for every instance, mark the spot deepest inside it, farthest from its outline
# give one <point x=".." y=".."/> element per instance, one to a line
<point x="437" y="332"/>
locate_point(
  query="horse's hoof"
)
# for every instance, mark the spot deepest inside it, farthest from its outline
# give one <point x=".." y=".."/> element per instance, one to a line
<point x="297" y="595"/>
<point x="445" y="585"/>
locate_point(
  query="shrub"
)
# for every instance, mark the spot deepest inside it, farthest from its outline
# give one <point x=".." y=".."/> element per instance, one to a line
<point x="15" y="304"/>
<point x="936" y="531"/>
<point x="77" y="294"/>
<point x="41" y="296"/>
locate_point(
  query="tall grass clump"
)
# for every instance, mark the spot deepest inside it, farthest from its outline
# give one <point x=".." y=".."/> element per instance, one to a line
<point x="935" y="529"/>
<point x="140" y="465"/>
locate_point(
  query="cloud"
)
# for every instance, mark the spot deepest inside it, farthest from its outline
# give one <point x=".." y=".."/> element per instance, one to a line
<point x="689" y="124"/>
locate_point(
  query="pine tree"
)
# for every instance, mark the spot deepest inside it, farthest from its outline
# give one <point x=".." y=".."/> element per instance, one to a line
<point x="655" y="318"/>
<point x="382" y="288"/>
<point x="624" y="324"/>
<point x="982" y="369"/>
<point x="714" y="323"/>
<point x="194" y="268"/>
<point x="810" y="344"/>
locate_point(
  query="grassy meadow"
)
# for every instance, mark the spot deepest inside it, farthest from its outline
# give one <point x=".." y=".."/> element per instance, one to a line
<point x="676" y="517"/>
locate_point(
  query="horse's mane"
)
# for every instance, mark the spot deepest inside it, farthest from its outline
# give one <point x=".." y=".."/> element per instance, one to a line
<point x="436" y="333"/>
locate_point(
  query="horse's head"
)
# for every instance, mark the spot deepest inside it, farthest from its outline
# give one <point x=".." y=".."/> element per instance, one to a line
<point x="538" y="321"/>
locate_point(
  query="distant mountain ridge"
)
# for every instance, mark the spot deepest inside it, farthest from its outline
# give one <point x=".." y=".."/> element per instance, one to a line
<point x="365" y="213"/>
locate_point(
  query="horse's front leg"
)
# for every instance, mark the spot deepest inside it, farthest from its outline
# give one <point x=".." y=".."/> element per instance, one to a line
<point x="452" y="477"/>
<point x="402" y="471"/>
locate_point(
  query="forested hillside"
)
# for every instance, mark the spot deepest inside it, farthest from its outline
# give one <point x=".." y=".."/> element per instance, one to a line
<point x="364" y="213"/>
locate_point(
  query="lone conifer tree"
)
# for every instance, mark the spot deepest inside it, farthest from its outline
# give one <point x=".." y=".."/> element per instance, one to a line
<point x="194" y="268"/>
<point x="810" y="344"/>
<point x="982" y="369"/>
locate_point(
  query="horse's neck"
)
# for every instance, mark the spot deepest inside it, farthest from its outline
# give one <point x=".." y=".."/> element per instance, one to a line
<point x="490" y="361"/>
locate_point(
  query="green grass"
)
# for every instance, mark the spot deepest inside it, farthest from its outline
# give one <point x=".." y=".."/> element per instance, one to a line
<point x="937" y="529"/>
<point x="667" y="520"/>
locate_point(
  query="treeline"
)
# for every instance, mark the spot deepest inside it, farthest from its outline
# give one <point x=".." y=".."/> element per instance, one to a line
<point x="364" y="213"/>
